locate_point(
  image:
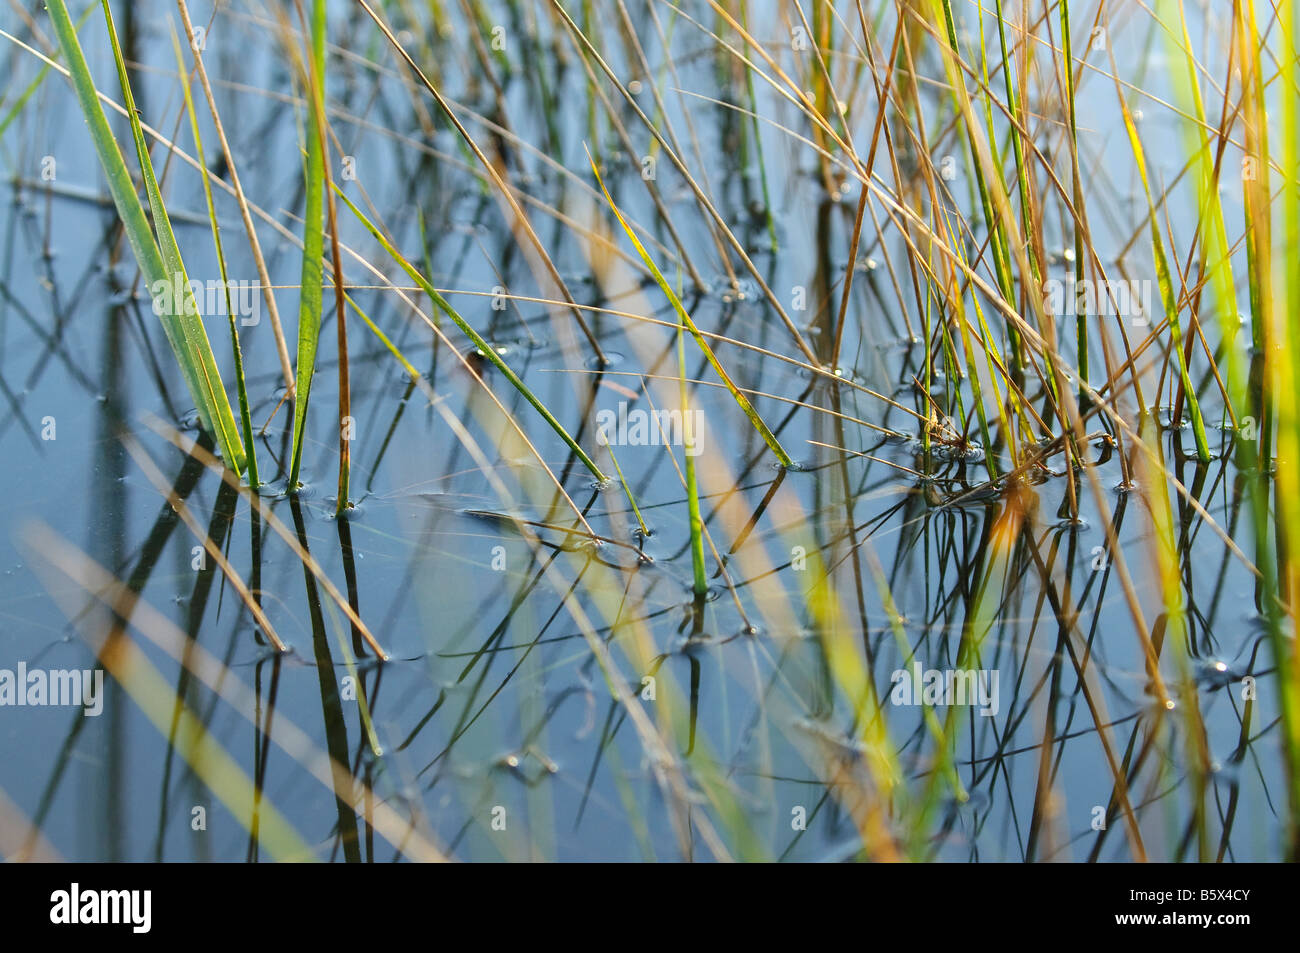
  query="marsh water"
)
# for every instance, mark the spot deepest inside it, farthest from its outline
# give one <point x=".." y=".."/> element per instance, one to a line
<point x="500" y="727"/>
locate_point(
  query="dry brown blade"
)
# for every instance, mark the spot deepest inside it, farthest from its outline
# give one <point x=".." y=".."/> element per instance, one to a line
<point x="404" y="77"/>
<point x="1065" y="404"/>
<point x="703" y="199"/>
<point x="1044" y="164"/>
<point x="1032" y="337"/>
<point x="175" y="438"/>
<point x="791" y="91"/>
<point x="506" y="193"/>
<point x="816" y="76"/>
<point x="213" y="673"/>
<point x="1094" y="697"/>
<point x="750" y="391"/>
<point x="917" y="145"/>
<point x="255" y="247"/>
<point x="452" y="161"/>
<point x="849" y="169"/>
<point x="816" y="370"/>
<point x="664" y="112"/>
<point x="179" y="506"/>
<point x="484" y="59"/>
<point x="867" y="456"/>
<point x="661" y="210"/>
<point x="854" y="793"/>
<point x="477" y="378"/>
<point x="882" y="96"/>
<point x="473" y="374"/>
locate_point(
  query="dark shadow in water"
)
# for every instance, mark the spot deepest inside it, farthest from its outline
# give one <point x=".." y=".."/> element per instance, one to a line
<point x="219" y="527"/>
<point x="336" y="729"/>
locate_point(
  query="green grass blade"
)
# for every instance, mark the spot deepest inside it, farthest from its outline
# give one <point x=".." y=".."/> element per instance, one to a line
<point x="768" y="437"/>
<point x="203" y="366"/>
<point x="161" y="266"/>
<point x="627" y="489"/>
<point x="484" y="348"/>
<point x="700" y="580"/>
<point x="241" y="386"/>
<point x="1076" y="181"/>
<point x="313" y="245"/>
<point x="21" y="102"/>
<point x="1164" y="279"/>
<point x="407" y="366"/>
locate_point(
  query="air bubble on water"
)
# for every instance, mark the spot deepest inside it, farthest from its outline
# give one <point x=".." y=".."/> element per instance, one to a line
<point x="584" y="544"/>
<point x="501" y="350"/>
<point x="352" y="512"/>
<point x="281" y="489"/>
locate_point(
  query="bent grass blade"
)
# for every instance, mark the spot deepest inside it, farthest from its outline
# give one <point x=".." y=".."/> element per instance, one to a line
<point x="484" y="348"/>
<point x="768" y="437"/>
